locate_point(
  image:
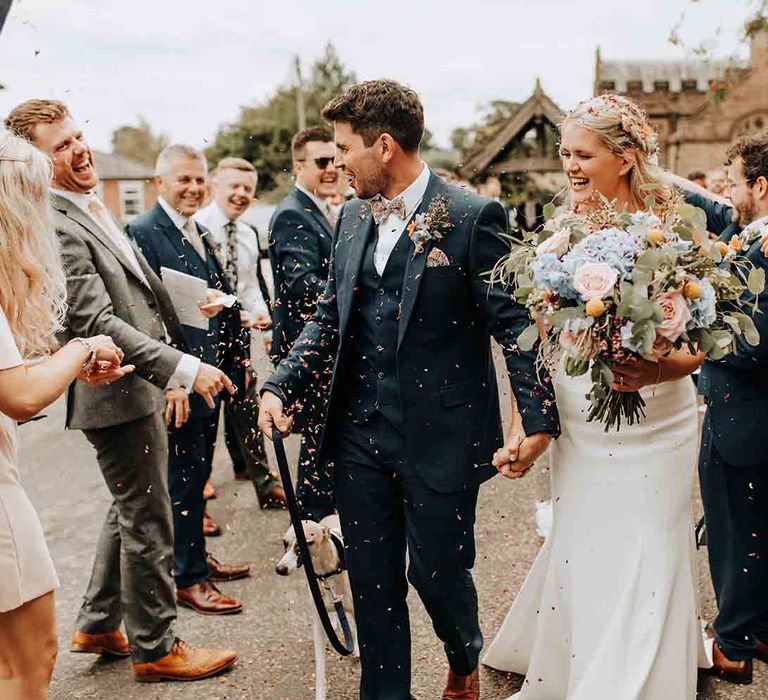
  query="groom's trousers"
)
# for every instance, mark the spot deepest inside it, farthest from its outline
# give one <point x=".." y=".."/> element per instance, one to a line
<point x="736" y="507"/>
<point x="385" y="508"/>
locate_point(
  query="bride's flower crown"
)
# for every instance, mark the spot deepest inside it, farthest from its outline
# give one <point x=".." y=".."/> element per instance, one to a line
<point x="632" y="119"/>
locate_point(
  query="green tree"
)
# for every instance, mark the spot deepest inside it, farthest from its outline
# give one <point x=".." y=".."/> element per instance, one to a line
<point x="262" y="133"/>
<point x="138" y="142"/>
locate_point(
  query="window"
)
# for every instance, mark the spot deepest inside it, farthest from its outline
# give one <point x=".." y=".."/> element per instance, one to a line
<point x="608" y="85"/>
<point x="689" y="85"/>
<point x="634" y="85"/>
<point x="131" y="199"/>
<point x="661" y="85"/>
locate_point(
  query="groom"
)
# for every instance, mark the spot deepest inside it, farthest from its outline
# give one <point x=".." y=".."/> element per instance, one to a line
<point x="413" y="409"/>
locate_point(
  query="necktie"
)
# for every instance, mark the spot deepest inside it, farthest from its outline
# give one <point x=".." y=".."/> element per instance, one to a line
<point x="230" y="267"/>
<point x="382" y="209"/>
<point x="193" y="237"/>
<point x="330" y="214"/>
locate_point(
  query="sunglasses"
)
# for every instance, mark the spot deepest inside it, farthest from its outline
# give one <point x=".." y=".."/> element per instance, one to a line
<point x="321" y="163"/>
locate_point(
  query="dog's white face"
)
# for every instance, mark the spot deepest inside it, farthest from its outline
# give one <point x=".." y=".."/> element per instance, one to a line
<point x="314" y="533"/>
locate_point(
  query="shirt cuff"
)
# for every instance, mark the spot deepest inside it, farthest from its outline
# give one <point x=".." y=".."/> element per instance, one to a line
<point x="184" y="375"/>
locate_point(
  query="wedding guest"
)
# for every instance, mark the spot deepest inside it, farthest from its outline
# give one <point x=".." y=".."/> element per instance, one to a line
<point x="170" y="238"/>
<point x="699" y="177"/>
<point x="300" y="233"/>
<point x="733" y="468"/>
<point x="237" y="245"/>
<point x="112" y="290"/>
<point x="529" y="214"/>
<point x="32" y="308"/>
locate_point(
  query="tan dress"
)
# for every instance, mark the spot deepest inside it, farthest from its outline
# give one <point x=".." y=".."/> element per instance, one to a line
<point x="26" y="569"/>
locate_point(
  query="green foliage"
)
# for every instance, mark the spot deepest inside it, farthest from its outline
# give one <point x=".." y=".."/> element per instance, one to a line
<point x="138" y="142"/>
<point x="262" y="133"/>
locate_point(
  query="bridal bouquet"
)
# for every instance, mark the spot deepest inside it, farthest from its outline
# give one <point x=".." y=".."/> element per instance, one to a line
<point x="610" y="288"/>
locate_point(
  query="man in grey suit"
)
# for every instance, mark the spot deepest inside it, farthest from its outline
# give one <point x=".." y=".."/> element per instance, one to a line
<point x="113" y="291"/>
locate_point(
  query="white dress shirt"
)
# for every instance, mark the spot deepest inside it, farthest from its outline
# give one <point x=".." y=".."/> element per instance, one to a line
<point x="392" y="227"/>
<point x="248" y="290"/>
<point x="183" y="376"/>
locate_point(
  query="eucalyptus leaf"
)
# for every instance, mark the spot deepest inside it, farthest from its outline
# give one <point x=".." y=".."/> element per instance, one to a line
<point x="549" y="210"/>
<point x="756" y="280"/>
<point x="747" y="325"/>
<point x="527" y="339"/>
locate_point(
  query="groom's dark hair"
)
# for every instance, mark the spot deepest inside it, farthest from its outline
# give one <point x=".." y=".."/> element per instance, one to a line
<point x="753" y="151"/>
<point x="376" y="107"/>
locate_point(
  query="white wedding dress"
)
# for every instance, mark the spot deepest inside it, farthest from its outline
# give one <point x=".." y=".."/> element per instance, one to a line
<point x="608" y="610"/>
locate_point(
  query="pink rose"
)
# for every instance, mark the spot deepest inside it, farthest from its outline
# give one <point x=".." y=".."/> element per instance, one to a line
<point x="676" y="316"/>
<point x="556" y="244"/>
<point x="594" y="280"/>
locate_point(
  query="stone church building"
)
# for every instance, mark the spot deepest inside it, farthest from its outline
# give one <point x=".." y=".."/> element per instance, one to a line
<point x="697" y="106"/>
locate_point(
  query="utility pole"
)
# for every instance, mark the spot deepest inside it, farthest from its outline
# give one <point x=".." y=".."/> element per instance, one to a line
<point x="300" y="110"/>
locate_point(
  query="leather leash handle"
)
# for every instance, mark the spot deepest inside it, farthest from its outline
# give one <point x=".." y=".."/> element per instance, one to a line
<point x="306" y="558"/>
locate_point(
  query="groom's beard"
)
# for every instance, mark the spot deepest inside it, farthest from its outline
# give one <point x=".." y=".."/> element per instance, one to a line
<point x="370" y="185"/>
<point x="746" y="210"/>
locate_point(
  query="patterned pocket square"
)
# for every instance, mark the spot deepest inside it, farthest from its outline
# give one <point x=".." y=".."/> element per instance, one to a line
<point x="437" y="258"/>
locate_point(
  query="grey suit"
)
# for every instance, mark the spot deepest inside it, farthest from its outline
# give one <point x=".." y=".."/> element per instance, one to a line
<point x="131" y="577"/>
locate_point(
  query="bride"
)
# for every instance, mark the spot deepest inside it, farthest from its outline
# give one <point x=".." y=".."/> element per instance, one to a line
<point x="609" y="611"/>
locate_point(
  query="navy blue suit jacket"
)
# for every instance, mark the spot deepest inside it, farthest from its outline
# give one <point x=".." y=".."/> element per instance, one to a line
<point x="300" y="250"/>
<point x="224" y="344"/>
<point x="446" y="377"/>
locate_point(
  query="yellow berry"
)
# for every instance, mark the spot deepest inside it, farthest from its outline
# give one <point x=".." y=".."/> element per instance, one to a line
<point x="721" y="247"/>
<point x="595" y="308"/>
<point x="692" y="290"/>
<point x="655" y="236"/>
<point x="735" y="243"/>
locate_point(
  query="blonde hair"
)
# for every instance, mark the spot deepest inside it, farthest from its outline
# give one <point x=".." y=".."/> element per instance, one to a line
<point x="624" y="128"/>
<point x="23" y="118"/>
<point x="32" y="281"/>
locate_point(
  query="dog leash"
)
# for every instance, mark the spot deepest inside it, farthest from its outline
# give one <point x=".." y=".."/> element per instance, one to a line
<point x="306" y="558"/>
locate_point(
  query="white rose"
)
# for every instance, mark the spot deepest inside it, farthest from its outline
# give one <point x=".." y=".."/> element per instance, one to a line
<point x="594" y="280"/>
<point x="556" y="244"/>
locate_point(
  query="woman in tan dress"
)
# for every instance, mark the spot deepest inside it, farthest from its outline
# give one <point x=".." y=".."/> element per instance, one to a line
<point x="32" y="303"/>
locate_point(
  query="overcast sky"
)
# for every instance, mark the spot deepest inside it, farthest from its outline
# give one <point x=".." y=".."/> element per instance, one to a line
<point x="187" y="70"/>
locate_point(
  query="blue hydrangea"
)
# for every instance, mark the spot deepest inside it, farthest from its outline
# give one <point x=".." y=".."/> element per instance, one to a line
<point x="550" y="273"/>
<point x="703" y="309"/>
<point x="641" y="222"/>
<point x="613" y="246"/>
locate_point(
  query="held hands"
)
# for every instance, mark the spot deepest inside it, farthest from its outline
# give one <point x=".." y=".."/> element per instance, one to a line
<point x="176" y="403"/>
<point x="634" y="376"/>
<point x="210" y="381"/>
<point x="272" y="416"/>
<point x="106" y="366"/>
<point x="516" y="458"/>
<point x="210" y="306"/>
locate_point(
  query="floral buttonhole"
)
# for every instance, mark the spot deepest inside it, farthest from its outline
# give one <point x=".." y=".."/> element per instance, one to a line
<point x="432" y="225"/>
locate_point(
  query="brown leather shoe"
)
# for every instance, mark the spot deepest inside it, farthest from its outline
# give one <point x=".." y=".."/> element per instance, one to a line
<point x="462" y="687"/>
<point x="206" y="599"/>
<point x="226" y="572"/>
<point x="275" y="499"/>
<point x="733" y="671"/>
<point x="106" y="644"/>
<point x="185" y="663"/>
<point x="210" y="528"/>
<point x="209" y="492"/>
<point x="762" y="651"/>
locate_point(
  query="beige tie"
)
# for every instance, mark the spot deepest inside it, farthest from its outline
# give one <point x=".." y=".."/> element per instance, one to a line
<point x="330" y="214"/>
<point x="193" y="236"/>
<point x="102" y="217"/>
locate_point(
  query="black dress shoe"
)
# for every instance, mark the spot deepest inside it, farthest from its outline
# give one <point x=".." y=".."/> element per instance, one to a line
<point x="734" y="671"/>
<point x="762" y="652"/>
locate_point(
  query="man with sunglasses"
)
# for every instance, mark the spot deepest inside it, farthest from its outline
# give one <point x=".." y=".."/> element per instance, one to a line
<point x="300" y="249"/>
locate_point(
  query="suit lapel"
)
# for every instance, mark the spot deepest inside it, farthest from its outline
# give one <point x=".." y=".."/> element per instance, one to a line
<point x="192" y="261"/>
<point x="71" y="210"/>
<point x="347" y="286"/>
<point x="308" y="204"/>
<point x="414" y="269"/>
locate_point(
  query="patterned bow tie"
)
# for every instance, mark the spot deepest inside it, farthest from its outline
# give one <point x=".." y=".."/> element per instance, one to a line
<point x="381" y="208"/>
